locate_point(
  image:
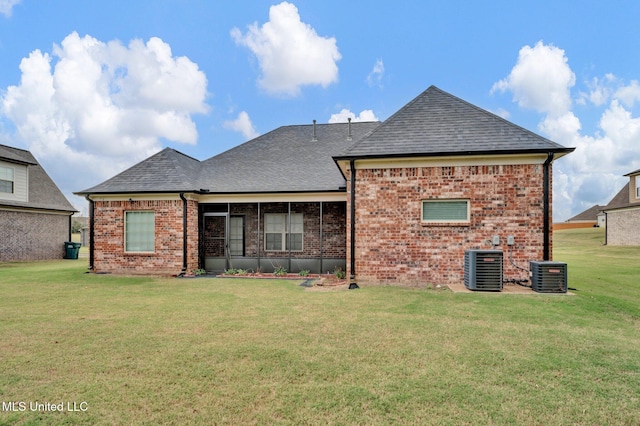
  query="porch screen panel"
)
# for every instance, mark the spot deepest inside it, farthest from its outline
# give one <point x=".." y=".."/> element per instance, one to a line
<point x="296" y="232"/>
<point x="236" y="236"/>
<point x="273" y="230"/>
<point x="276" y="233"/>
<point x="139" y="231"/>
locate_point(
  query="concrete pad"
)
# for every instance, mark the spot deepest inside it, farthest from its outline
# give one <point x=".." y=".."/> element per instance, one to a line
<point x="506" y="289"/>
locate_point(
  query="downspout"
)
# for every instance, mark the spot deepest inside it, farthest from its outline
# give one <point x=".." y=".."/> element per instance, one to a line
<point x="184" y="235"/>
<point x="91" y="231"/>
<point x="70" y="226"/>
<point x="546" y="205"/>
<point x="321" y="238"/>
<point x="259" y="235"/>
<point x="289" y="234"/>
<point x="352" y="166"/>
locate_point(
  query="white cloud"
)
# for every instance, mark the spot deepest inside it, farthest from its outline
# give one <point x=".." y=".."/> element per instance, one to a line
<point x="290" y="52"/>
<point x="542" y="80"/>
<point x="345" y="114"/>
<point x="375" y="76"/>
<point x="6" y="6"/>
<point x="90" y="109"/>
<point x="243" y="125"/>
<point x="630" y="94"/>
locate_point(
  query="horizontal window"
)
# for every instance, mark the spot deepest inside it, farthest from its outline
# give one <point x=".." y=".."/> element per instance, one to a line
<point x="139" y="231"/>
<point x="445" y="211"/>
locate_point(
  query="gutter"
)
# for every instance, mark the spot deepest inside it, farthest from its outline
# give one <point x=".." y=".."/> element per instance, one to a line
<point x="563" y="151"/>
<point x="546" y="205"/>
<point x="91" y="231"/>
<point x="184" y="235"/>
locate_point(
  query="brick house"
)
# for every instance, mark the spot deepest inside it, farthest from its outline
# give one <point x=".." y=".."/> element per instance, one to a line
<point x="35" y="217"/>
<point x="392" y="202"/>
<point x="622" y="214"/>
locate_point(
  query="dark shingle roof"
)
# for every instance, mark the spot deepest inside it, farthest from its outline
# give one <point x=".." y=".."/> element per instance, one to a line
<point x="43" y="192"/>
<point x="166" y="171"/>
<point x="436" y="123"/>
<point x="591" y="214"/>
<point x="621" y="199"/>
<point x="16" y="155"/>
<point x="284" y="160"/>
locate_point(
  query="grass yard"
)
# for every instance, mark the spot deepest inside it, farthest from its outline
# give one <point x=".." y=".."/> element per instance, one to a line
<point x="123" y="350"/>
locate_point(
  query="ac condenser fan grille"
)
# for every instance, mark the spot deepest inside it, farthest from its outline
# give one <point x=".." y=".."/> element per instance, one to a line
<point x="483" y="270"/>
<point x="548" y="277"/>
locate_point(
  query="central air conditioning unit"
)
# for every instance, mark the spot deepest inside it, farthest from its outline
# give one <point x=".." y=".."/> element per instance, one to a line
<point x="548" y="277"/>
<point x="483" y="270"/>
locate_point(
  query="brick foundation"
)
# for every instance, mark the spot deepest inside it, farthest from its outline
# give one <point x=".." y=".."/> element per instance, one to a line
<point x="394" y="246"/>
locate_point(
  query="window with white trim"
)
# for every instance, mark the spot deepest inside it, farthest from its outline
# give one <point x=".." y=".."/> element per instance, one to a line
<point x="638" y="186"/>
<point x="276" y="235"/>
<point x="445" y="211"/>
<point x="6" y="180"/>
<point x="139" y="231"/>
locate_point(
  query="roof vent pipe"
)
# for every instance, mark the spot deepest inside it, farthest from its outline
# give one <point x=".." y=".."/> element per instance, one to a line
<point x="349" y="137"/>
<point x="315" y="137"/>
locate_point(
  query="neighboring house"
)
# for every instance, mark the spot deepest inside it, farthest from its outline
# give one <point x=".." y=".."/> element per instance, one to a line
<point x="35" y="217"/>
<point x="394" y="202"/>
<point x="622" y="214"/>
<point x="587" y="219"/>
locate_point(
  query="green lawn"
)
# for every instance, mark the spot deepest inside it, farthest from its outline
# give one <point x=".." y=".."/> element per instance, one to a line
<point x="239" y="351"/>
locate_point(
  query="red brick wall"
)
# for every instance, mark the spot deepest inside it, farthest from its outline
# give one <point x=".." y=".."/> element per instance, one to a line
<point x="393" y="246"/>
<point x="109" y="253"/>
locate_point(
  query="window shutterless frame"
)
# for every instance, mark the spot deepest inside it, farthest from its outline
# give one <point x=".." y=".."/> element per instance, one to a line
<point x="6" y="179"/>
<point x="276" y="237"/>
<point x="139" y="231"/>
<point x="443" y="211"/>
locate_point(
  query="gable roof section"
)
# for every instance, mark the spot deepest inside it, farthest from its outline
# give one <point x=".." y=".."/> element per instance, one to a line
<point x="439" y="124"/>
<point x="166" y="171"/>
<point x="284" y="160"/>
<point x="590" y="214"/>
<point x="620" y="200"/>
<point x="43" y="192"/>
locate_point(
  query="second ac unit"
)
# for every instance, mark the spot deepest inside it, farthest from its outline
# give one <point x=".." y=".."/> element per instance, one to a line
<point x="548" y="277"/>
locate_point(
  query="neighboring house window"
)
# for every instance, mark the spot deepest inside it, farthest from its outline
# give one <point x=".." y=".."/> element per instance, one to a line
<point x="276" y="235"/>
<point x="445" y="211"/>
<point x="637" y="186"/>
<point x="6" y="180"/>
<point x="139" y="231"/>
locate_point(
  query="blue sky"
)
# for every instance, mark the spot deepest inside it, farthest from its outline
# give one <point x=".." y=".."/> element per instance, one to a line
<point x="94" y="87"/>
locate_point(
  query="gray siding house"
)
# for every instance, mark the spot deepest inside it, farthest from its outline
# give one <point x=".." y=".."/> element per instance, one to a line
<point x="622" y="214"/>
<point x="35" y="217"/>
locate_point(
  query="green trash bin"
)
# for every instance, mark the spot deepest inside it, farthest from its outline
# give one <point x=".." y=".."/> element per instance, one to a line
<point x="71" y="250"/>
